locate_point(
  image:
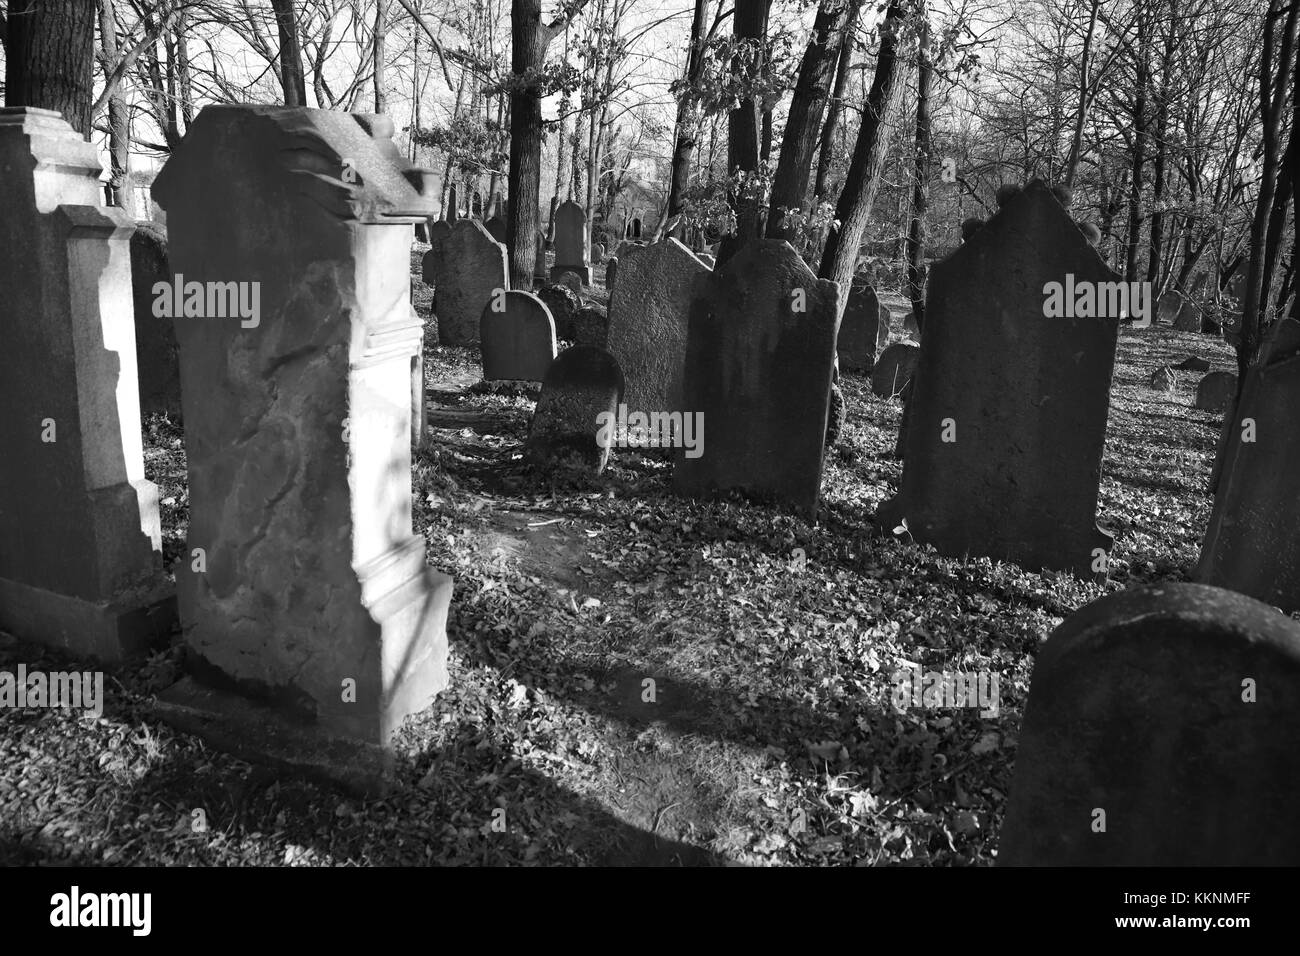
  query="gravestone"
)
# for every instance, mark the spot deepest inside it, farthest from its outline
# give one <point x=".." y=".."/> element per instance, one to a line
<point x="312" y="624"/>
<point x="760" y="354"/>
<point x="540" y="272"/>
<point x="597" y="252"/>
<point x="1252" y="544"/>
<point x="156" y="356"/>
<point x="1168" y="709"/>
<point x="648" y="322"/>
<point x="1168" y="308"/>
<point x="1007" y="418"/>
<point x="518" y="339"/>
<point x="1216" y="392"/>
<point x="496" y="227"/>
<point x="591" y="326"/>
<point x="582" y="383"/>
<point x="1193" y="364"/>
<point x="862" y="335"/>
<point x="611" y="273"/>
<point x="571" y="242"/>
<point x="911" y="331"/>
<point x="570" y="280"/>
<point x="707" y="259"/>
<point x="1163" y="379"/>
<point x="79" y="531"/>
<point x="453" y="206"/>
<point x="563" y="303"/>
<point x="464" y="267"/>
<point x="894" y="371"/>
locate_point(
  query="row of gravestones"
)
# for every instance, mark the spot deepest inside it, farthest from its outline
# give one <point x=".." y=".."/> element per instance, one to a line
<point x="312" y="624"/>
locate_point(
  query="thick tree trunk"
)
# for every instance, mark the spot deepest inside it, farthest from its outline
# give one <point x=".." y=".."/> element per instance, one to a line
<point x="50" y="58"/>
<point x="292" y="78"/>
<point x="836" y="109"/>
<point x="686" y="128"/>
<point x="803" y="124"/>
<point x="119" y="117"/>
<point x="853" y="210"/>
<point x="1139" y="157"/>
<point x="528" y="41"/>
<point x="744" y="129"/>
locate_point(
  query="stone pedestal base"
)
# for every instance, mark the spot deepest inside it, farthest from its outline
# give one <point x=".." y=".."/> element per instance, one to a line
<point x="132" y="623"/>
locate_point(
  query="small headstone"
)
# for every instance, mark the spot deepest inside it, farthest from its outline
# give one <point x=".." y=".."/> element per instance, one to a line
<point x="1158" y="733"/>
<point x="591" y="326"/>
<point x="611" y="272"/>
<point x="648" y="322"/>
<point x="1007" y="417"/>
<point x="540" y="272"/>
<point x="1168" y="307"/>
<point x="517" y="339"/>
<point x="496" y="226"/>
<point x="563" y="304"/>
<point x="597" y="252"/>
<point x="572" y="280"/>
<point x="571" y="242"/>
<point x="911" y="330"/>
<point x="1163" y="379"/>
<point x="1252" y="544"/>
<point x="582" y="384"/>
<point x="1188" y="318"/>
<point x="465" y="267"/>
<point x="862" y="335"/>
<point x="760" y="356"/>
<point x="156" y="354"/>
<point x="1193" y="364"/>
<point x="1216" y="392"/>
<point x="894" y="370"/>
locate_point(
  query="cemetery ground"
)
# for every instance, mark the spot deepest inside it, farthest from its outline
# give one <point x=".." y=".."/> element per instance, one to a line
<point x="772" y="737"/>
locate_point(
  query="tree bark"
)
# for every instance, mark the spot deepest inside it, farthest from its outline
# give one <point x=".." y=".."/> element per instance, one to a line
<point x="119" y="117"/>
<point x="921" y="187"/>
<point x="836" y="108"/>
<point x="292" y="78"/>
<point x="50" y="58"/>
<point x="863" y="180"/>
<point x="377" y="61"/>
<point x="803" y="124"/>
<point x="1134" y="237"/>
<point x="744" y="129"/>
<point x="686" y="128"/>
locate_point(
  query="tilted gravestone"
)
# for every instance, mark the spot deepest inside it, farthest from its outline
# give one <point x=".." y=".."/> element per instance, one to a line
<point x="1158" y="733"/>
<point x="894" y="370"/>
<point x="760" y="354"/>
<point x="564" y="304"/>
<point x="571" y="242"/>
<point x="1007" y="418"/>
<point x="583" y="384"/>
<point x="707" y="259"/>
<point x="1216" y="392"/>
<point x="648" y="323"/>
<point x="464" y="267"/>
<point x="1252" y="543"/>
<point x="862" y="335"/>
<point x="79" y="530"/>
<point x="313" y="625"/>
<point x="517" y="337"/>
<point x="156" y="356"/>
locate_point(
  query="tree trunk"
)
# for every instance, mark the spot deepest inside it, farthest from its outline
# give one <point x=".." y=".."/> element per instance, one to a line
<point x="291" y="75"/>
<point x="744" y="129"/>
<point x="50" y="58"/>
<point x="836" y="110"/>
<point x="686" y="128"/>
<point x="119" y="117"/>
<point x="381" y="35"/>
<point x="921" y="171"/>
<point x="803" y="124"/>
<point x="528" y="41"/>
<point x="863" y="180"/>
<point x="1139" y="155"/>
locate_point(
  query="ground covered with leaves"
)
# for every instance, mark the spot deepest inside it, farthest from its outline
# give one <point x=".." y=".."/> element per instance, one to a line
<point x="772" y="643"/>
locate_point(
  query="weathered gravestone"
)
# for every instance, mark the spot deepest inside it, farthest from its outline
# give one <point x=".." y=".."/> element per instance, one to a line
<point x="571" y="242"/>
<point x="707" y="259"/>
<point x="1252" y="544"/>
<point x="1216" y="392"/>
<point x="1163" y="379"/>
<point x="580" y="393"/>
<point x="156" y="357"/>
<point x="611" y="273"/>
<point x="759" y="359"/>
<point x="597" y="252"/>
<point x="648" y="322"/>
<point x="862" y="334"/>
<point x="1007" y="419"/>
<point x="910" y="329"/>
<point x="78" y="521"/>
<point x="464" y="267"/>
<point x="496" y="227"/>
<point x="312" y="623"/>
<point x="894" y="370"/>
<point x="564" y="304"/>
<point x="540" y="272"/>
<point x="1193" y="364"/>
<point x="1163" y="713"/>
<point x="571" y="281"/>
<point x="517" y="337"/>
<point x="591" y="326"/>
